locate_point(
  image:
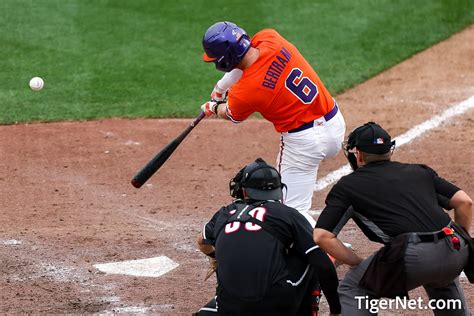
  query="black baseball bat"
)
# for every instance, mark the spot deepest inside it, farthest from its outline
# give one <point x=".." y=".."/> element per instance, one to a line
<point x="160" y="158"/>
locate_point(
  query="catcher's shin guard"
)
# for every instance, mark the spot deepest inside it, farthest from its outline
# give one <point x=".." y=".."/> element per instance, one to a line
<point x="315" y="299"/>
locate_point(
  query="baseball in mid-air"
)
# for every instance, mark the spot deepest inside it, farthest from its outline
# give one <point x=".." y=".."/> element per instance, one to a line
<point x="36" y="83"/>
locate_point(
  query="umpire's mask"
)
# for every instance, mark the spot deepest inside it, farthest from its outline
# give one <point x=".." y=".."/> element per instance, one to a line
<point x="261" y="182"/>
<point x="369" y="138"/>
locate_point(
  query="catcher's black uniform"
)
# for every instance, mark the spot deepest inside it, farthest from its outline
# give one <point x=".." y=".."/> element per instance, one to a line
<point x="263" y="251"/>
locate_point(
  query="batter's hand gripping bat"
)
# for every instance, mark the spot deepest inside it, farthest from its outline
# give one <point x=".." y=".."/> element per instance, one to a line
<point x="160" y="158"/>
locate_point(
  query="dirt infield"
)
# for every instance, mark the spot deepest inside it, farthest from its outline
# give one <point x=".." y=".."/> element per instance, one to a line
<point x="67" y="202"/>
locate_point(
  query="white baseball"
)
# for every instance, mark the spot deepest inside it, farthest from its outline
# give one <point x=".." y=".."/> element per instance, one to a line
<point x="36" y="83"/>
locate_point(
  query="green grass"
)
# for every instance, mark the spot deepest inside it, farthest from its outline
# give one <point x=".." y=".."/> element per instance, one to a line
<point x="124" y="58"/>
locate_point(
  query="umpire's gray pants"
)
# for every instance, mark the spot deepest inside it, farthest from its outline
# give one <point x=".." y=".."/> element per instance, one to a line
<point x="433" y="265"/>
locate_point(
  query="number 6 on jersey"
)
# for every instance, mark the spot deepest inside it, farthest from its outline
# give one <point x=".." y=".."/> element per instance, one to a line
<point x="305" y="90"/>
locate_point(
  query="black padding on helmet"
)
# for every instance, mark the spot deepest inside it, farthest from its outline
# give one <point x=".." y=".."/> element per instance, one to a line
<point x="261" y="182"/>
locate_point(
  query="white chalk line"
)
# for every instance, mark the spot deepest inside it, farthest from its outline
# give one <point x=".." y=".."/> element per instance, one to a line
<point x="10" y="242"/>
<point x="138" y="310"/>
<point x="151" y="267"/>
<point x="403" y="139"/>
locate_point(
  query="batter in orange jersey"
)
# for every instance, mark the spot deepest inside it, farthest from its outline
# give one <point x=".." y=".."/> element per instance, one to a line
<point x="281" y="85"/>
<point x="267" y="74"/>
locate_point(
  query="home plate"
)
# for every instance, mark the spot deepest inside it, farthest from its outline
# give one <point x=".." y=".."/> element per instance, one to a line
<point x="151" y="267"/>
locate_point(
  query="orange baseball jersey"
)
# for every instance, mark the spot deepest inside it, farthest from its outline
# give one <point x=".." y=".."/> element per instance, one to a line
<point x="281" y="85"/>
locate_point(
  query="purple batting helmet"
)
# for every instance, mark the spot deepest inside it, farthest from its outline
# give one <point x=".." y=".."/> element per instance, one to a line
<point x="225" y="44"/>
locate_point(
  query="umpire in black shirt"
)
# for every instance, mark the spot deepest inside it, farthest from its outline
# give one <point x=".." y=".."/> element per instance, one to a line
<point x="263" y="250"/>
<point x="401" y="206"/>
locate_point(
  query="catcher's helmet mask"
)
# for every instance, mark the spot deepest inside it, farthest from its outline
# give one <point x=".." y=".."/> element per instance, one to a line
<point x="225" y="44"/>
<point x="261" y="182"/>
<point x="370" y="138"/>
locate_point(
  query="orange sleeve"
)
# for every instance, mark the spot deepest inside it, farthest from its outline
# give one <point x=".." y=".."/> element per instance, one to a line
<point x="237" y="109"/>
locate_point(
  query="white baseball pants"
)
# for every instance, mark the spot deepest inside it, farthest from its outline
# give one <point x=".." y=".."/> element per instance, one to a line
<point x="300" y="156"/>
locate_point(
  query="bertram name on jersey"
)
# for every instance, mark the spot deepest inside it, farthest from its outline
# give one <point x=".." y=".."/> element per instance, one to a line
<point x="276" y="68"/>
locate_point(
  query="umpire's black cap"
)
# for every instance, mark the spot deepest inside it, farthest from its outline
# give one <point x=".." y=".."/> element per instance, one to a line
<point x="261" y="181"/>
<point x="370" y="138"/>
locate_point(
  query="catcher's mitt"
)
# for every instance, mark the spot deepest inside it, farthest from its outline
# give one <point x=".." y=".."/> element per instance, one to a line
<point x="212" y="268"/>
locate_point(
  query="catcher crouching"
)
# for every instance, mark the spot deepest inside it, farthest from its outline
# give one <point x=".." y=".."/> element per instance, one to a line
<point x="268" y="263"/>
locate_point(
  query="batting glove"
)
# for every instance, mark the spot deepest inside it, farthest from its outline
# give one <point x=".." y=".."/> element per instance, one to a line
<point x="218" y="94"/>
<point x="210" y="108"/>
